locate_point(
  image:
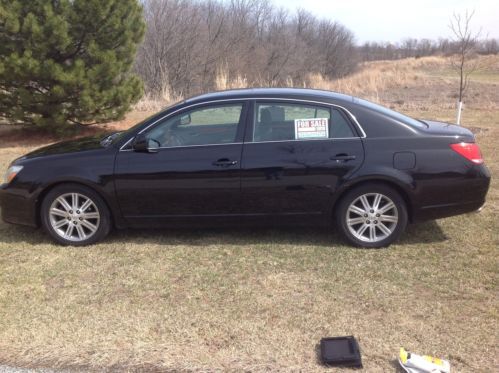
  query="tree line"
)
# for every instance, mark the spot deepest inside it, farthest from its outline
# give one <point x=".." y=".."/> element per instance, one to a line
<point x="188" y="42"/>
<point x="411" y="47"/>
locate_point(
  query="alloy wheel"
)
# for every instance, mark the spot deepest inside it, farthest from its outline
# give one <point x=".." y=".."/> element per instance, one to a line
<point x="372" y="217"/>
<point x="74" y="217"/>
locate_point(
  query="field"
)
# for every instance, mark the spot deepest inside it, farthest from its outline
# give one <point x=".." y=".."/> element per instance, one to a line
<point x="261" y="300"/>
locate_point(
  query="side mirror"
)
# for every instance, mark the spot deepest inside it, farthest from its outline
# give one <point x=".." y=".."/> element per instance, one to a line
<point x="144" y="145"/>
<point x="185" y="119"/>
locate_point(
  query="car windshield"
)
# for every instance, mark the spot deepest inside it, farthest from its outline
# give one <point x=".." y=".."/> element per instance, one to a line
<point x="394" y="114"/>
<point x="132" y="129"/>
<point x="117" y="136"/>
<point x="109" y="139"/>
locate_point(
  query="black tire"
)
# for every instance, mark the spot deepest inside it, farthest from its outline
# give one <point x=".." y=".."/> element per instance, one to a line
<point x="104" y="223"/>
<point x="366" y="189"/>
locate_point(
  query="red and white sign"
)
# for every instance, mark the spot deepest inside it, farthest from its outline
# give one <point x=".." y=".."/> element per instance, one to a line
<point x="315" y="128"/>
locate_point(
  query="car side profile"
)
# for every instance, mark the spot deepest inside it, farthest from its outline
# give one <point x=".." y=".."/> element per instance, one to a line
<point x="253" y="156"/>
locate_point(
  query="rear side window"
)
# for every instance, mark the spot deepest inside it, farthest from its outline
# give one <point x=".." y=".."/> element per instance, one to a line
<point x="287" y="122"/>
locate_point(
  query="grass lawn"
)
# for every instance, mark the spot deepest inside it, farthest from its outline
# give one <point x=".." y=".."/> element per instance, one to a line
<point x="254" y="300"/>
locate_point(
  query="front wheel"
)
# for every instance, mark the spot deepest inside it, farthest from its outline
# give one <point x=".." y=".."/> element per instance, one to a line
<point x="372" y="215"/>
<point x="75" y="215"/>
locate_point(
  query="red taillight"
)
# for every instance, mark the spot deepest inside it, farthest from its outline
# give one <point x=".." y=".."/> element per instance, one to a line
<point x="468" y="150"/>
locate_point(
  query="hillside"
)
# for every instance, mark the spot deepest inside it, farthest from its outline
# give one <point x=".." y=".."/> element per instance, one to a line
<point x="407" y="84"/>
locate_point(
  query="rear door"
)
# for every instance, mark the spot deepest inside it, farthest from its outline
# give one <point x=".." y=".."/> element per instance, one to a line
<point x="295" y="155"/>
<point x="194" y="175"/>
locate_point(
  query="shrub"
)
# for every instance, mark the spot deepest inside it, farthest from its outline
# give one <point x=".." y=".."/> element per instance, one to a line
<point x="67" y="62"/>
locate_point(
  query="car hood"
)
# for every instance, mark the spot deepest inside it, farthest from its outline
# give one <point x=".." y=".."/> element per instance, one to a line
<point x="64" y="147"/>
<point x="448" y="129"/>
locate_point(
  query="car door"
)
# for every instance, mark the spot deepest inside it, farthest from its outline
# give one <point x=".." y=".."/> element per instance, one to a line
<point x="193" y="174"/>
<point x="295" y="155"/>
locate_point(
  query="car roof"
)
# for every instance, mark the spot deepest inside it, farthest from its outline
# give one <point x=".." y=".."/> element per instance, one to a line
<point x="371" y="118"/>
<point x="297" y="93"/>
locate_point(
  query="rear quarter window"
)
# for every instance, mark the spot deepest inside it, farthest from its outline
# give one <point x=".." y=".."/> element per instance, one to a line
<point x="392" y="114"/>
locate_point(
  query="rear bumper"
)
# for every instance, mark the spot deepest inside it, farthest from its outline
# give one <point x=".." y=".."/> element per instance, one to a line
<point x="16" y="208"/>
<point x="455" y="197"/>
<point x="447" y="210"/>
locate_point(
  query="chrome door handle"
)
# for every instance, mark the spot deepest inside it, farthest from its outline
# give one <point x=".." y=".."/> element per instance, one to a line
<point x="224" y="162"/>
<point x="343" y="158"/>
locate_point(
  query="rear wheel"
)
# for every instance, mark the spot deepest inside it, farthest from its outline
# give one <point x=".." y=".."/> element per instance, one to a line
<point x="75" y="215"/>
<point x="372" y="215"/>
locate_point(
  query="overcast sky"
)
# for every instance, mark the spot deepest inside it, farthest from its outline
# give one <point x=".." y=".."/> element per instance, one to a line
<point x="394" y="20"/>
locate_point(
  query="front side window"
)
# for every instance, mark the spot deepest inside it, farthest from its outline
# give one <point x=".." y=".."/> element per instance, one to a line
<point x="202" y="126"/>
<point x="286" y="122"/>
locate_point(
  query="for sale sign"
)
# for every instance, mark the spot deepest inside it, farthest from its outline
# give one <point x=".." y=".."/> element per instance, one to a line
<point x="315" y="128"/>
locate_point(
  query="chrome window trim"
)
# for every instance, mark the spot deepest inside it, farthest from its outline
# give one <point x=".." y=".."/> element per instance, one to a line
<point x="354" y="119"/>
<point x="187" y="146"/>
<point x="300" y="140"/>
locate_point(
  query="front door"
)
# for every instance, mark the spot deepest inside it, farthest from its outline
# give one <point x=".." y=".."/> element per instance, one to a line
<point x="195" y="172"/>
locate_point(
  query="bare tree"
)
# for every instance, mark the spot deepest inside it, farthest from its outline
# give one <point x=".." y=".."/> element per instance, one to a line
<point x="466" y="40"/>
<point x="189" y="42"/>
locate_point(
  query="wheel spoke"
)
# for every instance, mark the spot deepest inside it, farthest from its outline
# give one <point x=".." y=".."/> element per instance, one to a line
<point x="58" y="212"/>
<point x="81" y="232"/>
<point x="69" y="230"/>
<point x="383" y="228"/>
<point x="60" y="223"/>
<point x="362" y="229"/>
<point x="356" y="210"/>
<point x="90" y="226"/>
<point x="386" y="207"/>
<point x="355" y="221"/>
<point x="372" y="233"/>
<point x="365" y="202"/>
<point x="62" y="201"/>
<point x="388" y="218"/>
<point x="90" y="215"/>
<point x="86" y="205"/>
<point x="74" y="201"/>
<point x="377" y="201"/>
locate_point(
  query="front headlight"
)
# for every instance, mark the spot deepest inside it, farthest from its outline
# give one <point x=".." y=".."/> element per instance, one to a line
<point x="12" y="173"/>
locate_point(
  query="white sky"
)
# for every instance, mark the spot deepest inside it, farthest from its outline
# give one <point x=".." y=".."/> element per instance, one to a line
<point x="394" y="20"/>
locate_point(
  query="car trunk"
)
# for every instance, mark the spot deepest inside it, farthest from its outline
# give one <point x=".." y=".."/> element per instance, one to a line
<point x="447" y="129"/>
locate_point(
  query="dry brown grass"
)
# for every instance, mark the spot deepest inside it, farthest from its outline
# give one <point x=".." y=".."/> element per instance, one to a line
<point x="412" y="83"/>
<point x="255" y="300"/>
<point x="378" y="76"/>
<point x="421" y="83"/>
<point x="154" y="103"/>
<point x="223" y="81"/>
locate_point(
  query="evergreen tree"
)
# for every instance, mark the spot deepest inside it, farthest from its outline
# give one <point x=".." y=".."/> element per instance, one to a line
<point x="67" y="62"/>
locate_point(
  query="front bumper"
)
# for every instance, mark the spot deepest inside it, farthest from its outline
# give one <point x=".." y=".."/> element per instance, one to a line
<point x="16" y="208"/>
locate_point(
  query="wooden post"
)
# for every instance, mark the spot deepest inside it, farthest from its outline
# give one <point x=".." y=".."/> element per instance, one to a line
<point x="459" y="110"/>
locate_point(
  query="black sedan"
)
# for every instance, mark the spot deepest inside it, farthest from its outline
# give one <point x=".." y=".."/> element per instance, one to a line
<point x="254" y="156"/>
